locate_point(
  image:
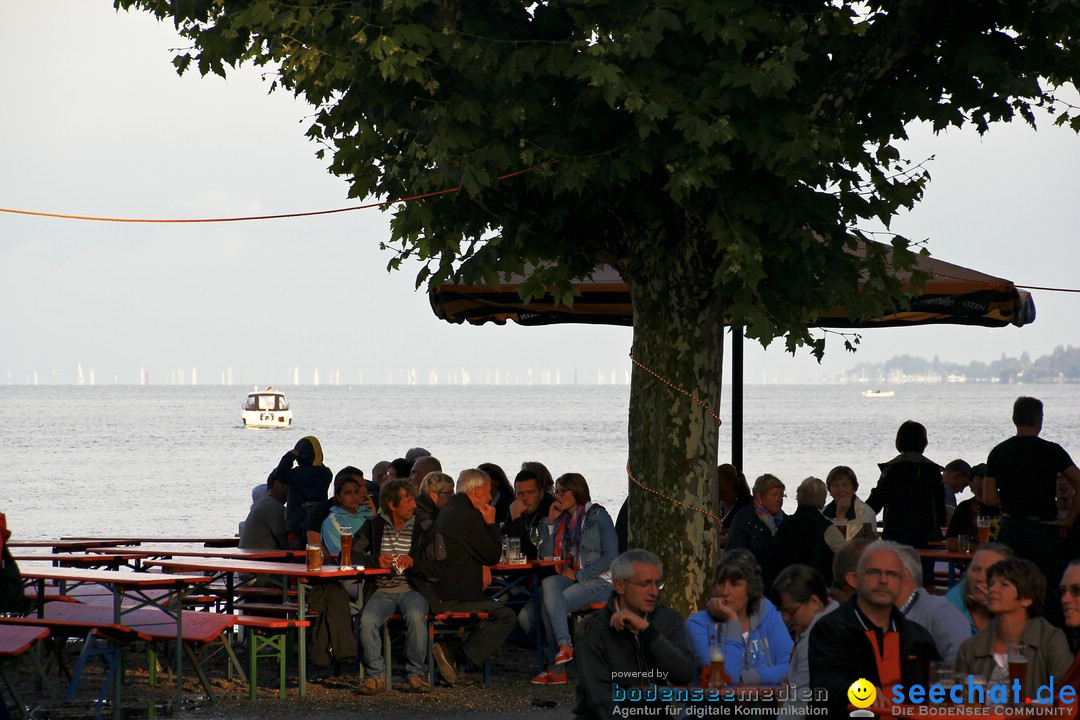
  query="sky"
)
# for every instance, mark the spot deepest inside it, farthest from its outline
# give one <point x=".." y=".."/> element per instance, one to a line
<point x="95" y="121"/>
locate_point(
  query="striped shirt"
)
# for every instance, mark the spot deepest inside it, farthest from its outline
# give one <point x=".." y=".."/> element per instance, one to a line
<point x="395" y="542"/>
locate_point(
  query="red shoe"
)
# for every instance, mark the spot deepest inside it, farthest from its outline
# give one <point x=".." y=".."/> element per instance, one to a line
<point x="565" y="655"/>
<point x="549" y="678"/>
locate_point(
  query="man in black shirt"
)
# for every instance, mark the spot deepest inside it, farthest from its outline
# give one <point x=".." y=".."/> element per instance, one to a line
<point x="1021" y="477"/>
<point x="529" y="509"/>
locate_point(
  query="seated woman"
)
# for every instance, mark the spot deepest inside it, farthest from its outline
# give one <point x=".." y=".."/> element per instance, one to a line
<point x="757" y="646"/>
<point x="582" y="532"/>
<point x="848" y="513"/>
<point x="352" y="508"/>
<point x="1016" y="589"/>
<point x="969" y="595"/>
<point x="754" y="527"/>
<point x="803" y="599"/>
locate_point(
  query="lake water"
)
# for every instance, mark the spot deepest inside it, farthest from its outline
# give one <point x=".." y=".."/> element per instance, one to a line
<point x="175" y="460"/>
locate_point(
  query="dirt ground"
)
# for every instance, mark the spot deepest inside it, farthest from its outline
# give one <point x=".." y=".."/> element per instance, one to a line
<point x="329" y="697"/>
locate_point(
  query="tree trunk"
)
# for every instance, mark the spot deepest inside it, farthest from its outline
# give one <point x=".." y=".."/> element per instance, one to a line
<point x="679" y="335"/>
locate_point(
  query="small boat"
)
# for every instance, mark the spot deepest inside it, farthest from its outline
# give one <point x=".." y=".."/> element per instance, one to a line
<point x="877" y="393"/>
<point x="267" y="409"/>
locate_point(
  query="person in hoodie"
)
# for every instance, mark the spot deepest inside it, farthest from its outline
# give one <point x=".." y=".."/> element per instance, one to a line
<point x="757" y="646"/>
<point x="352" y="508"/>
<point x="308" y="483"/>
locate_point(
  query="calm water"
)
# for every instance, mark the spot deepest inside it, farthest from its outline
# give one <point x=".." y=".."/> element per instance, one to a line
<point x="174" y="460"/>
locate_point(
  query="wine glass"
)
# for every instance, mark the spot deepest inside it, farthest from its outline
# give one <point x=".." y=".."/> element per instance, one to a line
<point x="534" y="536"/>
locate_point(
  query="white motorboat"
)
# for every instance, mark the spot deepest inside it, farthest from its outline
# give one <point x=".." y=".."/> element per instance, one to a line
<point x="877" y="393"/>
<point x="267" y="409"/>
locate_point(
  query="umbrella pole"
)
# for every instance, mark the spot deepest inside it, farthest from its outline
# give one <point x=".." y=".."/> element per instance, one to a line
<point x="737" y="397"/>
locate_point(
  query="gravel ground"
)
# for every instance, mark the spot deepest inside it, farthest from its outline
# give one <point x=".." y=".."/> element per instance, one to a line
<point x="328" y="698"/>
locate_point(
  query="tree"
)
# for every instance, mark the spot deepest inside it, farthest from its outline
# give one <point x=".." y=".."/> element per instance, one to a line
<point x="717" y="154"/>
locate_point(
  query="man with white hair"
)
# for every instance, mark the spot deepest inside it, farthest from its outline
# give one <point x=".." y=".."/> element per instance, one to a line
<point x="466" y="540"/>
<point x="947" y="625"/>
<point x="868" y="637"/>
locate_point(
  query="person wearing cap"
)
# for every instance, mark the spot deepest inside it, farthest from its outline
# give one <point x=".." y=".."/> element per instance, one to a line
<point x="308" y="483"/>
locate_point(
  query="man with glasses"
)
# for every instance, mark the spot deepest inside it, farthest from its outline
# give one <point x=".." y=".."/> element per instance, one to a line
<point x="632" y="643"/>
<point x="868" y="637"/>
<point x="528" y="511"/>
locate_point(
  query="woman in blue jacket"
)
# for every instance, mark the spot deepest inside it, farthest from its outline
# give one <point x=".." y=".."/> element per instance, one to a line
<point x="757" y="646"/>
<point x="582" y="533"/>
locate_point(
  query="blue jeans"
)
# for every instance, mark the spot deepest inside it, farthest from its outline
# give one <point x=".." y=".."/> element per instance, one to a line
<point x="377" y="609"/>
<point x="561" y="596"/>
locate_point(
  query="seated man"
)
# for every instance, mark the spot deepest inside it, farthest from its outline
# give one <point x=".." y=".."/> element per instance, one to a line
<point x="801" y="538"/>
<point x="264" y="528"/>
<point x="436" y="489"/>
<point x="868" y="637"/>
<point x="392" y="539"/>
<point x="466" y="531"/>
<point x="947" y="625"/>
<point x="528" y="511"/>
<point x="631" y="642"/>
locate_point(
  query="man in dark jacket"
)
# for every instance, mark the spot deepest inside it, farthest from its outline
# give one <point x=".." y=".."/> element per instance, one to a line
<point x="801" y="538"/>
<point x="466" y="540"/>
<point x="529" y="509"/>
<point x="308" y="484"/>
<point x="868" y="637"/>
<point x="394" y="540"/>
<point x="632" y="643"/>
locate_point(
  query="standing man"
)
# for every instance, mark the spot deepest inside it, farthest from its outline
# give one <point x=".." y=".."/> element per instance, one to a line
<point x="1021" y="477"/>
<point x="868" y="637"/>
<point x="947" y="625"/>
<point x="308" y="483"/>
<point x="466" y="530"/>
<point x="529" y="510"/>
<point x="393" y="540"/>
<point x="633" y="642"/>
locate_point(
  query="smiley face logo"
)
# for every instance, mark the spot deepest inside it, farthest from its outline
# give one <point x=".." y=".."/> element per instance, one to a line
<point x="861" y="694"/>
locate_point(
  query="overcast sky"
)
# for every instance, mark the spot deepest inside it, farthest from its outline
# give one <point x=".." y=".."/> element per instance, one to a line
<point x="94" y="121"/>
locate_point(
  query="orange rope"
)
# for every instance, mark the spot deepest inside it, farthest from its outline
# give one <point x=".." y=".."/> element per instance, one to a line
<point x="676" y="389"/>
<point x="64" y="216"/>
<point x="654" y="491"/>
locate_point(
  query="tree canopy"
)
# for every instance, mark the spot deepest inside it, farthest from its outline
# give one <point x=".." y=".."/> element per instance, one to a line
<point x="717" y="154"/>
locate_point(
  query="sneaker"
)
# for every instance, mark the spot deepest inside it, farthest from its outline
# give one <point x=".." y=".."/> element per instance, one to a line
<point x="549" y="678"/>
<point x="372" y="686"/>
<point x="565" y="655"/>
<point x="417" y="684"/>
<point x="444" y="659"/>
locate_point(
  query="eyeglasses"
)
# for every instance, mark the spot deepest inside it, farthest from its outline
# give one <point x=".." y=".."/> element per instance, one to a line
<point x="446" y="492"/>
<point x="879" y="573"/>
<point x="561" y="491"/>
<point x="644" y="584"/>
<point x="789" y="611"/>
<point x="1070" y="590"/>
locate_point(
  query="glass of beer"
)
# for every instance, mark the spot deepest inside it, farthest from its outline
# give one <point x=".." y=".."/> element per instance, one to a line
<point x="1017" y="663"/>
<point x="345" y="559"/>
<point x="314" y="558"/>
<point x="716" y="657"/>
<point x="983" y="524"/>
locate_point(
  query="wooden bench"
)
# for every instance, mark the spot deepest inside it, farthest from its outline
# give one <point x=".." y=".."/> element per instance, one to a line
<point x="116" y="636"/>
<point x="268" y="633"/>
<point x="14" y="642"/>
<point x="199" y="630"/>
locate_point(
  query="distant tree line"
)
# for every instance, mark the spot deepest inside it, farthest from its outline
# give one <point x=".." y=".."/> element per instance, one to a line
<point x="1062" y="365"/>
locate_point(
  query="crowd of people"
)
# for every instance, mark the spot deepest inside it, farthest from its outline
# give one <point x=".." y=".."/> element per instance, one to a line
<point x="816" y="599"/>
